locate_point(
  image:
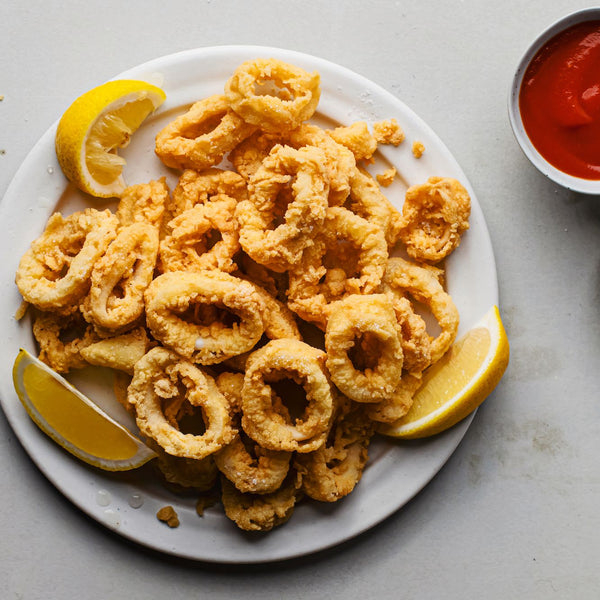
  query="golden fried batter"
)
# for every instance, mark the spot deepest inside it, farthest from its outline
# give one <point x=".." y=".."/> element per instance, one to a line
<point x="435" y="214"/>
<point x="256" y="327"/>
<point x="386" y="178"/>
<point x="357" y="138"/>
<point x="418" y="148"/>
<point x="388" y="132"/>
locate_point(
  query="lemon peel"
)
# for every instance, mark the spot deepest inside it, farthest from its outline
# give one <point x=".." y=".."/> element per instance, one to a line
<point x="95" y="126"/>
<point x="458" y="383"/>
<point x="72" y="420"/>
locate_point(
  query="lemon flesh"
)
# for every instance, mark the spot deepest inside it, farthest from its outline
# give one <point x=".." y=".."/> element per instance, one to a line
<point x="96" y="126"/>
<point x="458" y="383"/>
<point x="73" y="421"/>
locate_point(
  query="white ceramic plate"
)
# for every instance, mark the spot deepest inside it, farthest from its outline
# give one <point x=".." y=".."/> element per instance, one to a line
<point x="396" y="471"/>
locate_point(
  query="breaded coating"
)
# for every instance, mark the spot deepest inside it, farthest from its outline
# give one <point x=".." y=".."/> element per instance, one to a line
<point x="386" y="178"/>
<point x="418" y="148"/>
<point x="388" y="132"/>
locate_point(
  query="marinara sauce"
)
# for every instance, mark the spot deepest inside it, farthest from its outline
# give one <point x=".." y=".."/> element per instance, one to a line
<point x="559" y="100"/>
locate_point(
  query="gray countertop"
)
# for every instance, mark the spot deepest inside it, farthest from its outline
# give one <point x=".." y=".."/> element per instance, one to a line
<point x="514" y="512"/>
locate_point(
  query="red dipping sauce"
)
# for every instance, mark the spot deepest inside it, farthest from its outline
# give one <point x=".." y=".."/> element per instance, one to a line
<point x="559" y="100"/>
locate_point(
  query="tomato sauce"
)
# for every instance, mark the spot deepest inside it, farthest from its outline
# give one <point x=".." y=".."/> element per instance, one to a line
<point x="559" y="100"/>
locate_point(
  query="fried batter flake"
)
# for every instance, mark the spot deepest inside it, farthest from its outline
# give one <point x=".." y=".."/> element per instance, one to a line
<point x="388" y="132"/>
<point x="418" y="148"/>
<point x="386" y="178"/>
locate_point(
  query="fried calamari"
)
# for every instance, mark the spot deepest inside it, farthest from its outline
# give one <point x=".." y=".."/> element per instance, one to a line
<point x="207" y="316"/>
<point x="272" y="94"/>
<point x="54" y="274"/>
<point x="271" y="232"/>
<point x="258" y="320"/>
<point x="266" y="418"/>
<point x="202" y="136"/>
<point x="364" y="327"/>
<point x="435" y="214"/>
<point x="168" y="392"/>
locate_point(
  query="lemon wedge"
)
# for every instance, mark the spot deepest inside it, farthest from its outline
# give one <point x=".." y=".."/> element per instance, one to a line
<point x="458" y="383"/>
<point x="73" y="420"/>
<point x="95" y="126"/>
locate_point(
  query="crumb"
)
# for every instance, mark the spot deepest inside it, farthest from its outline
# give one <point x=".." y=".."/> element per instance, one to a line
<point x="168" y="515"/>
<point x="205" y="502"/>
<point x="2" y="151"/>
<point x="388" y="132"/>
<point x="1" y="97"/>
<point x="417" y="149"/>
<point x="387" y="177"/>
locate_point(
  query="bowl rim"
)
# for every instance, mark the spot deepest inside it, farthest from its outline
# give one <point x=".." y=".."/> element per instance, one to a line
<point x="576" y="184"/>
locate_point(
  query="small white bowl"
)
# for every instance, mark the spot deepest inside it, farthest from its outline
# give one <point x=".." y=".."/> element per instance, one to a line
<point x="577" y="184"/>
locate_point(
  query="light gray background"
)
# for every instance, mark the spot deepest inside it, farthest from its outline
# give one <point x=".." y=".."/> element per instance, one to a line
<point x="515" y="512"/>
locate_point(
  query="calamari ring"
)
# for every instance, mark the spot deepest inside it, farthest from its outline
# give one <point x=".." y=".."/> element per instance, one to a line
<point x="415" y="341"/>
<point x="119" y="279"/>
<point x="332" y="471"/>
<point x="421" y="283"/>
<point x="370" y="319"/>
<point x="183" y="474"/>
<point x="172" y="299"/>
<point x="162" y="375"/>
<point x="285" y="169"/>
<point x="329" y="271"/>
<point x="368" y="201"/>
<point x="199" y="187"/>
<point x="264" y="417"/>
<point x="357" y="138"/>
<point x="143" y="202"/>
<point x="251" y="468"/>
<point x="54" y="273"/>
<point x="261" y="512"/>
<point x="434" y="216"/>
<point x="187" y="245"/>
<point x="59" y="354"/>
<point x="398" y="404"/>
<point x="339" y="161"/>
<point x="272" y="94"/>
<point x="202" y="136"/>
